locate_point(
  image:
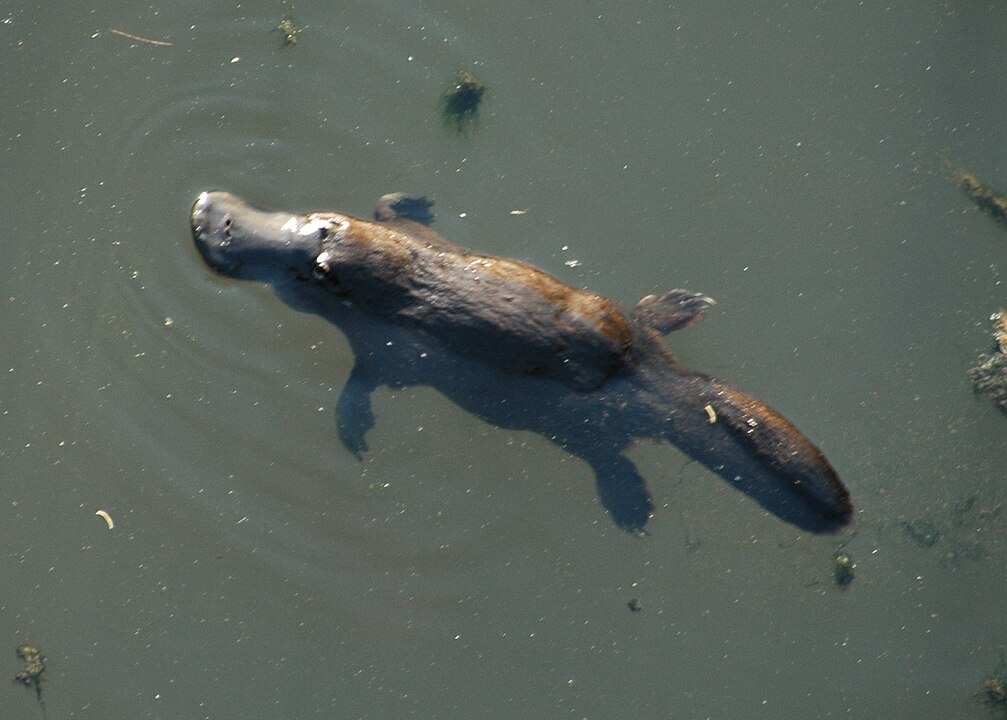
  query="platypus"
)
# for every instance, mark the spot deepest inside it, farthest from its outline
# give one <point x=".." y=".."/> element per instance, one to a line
<point x="520" y="349"/>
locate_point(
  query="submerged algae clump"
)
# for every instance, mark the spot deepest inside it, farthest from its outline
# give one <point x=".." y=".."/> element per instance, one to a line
<point x="986" y="199"/>
<point x="287" y="27"/>
<point x="989" y="374"/>
<point x="994" y="690"/>
<point x="31" y="676"/>
<point x="460" y="102"/>
<point x="843" y="569"/>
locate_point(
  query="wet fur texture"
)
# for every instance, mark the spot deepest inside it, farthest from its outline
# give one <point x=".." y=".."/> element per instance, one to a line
<point x="520" y="349"/>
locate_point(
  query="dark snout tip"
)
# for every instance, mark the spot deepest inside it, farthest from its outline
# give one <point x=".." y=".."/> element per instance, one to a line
<point x="208" y="222"/>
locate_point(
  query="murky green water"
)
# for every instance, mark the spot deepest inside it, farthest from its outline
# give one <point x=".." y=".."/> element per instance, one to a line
<point x="793" y="162"/>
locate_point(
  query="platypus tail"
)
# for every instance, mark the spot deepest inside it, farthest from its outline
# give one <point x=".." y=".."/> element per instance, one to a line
<point x="781" y="449"/>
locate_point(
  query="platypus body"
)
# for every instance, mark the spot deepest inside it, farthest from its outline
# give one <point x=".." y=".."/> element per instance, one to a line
<point x="520" y="349"/>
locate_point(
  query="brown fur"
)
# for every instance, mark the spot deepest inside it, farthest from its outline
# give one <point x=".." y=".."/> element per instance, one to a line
<point x="521" y="349"/>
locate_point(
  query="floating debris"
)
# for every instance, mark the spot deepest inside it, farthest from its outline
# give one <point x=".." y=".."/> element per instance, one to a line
<point x="989" y="374"/>
<point x="842" y="569"/>
<point x="460" y="102"/>
<point x="31" y="676"/>
<point x="287" y="27"/>
<point x="106" y="517"/>
<point x="140" y="38"/>
<point x="1000" y="329"/>
<point x="990" y="202"/>
<point x="635" y="605"/>
<point x="994" y="690"/>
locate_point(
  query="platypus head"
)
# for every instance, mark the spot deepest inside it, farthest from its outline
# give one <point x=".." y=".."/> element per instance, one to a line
<point x="243" y="241"/>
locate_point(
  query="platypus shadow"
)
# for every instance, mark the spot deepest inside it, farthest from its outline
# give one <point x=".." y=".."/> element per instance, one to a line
<point x="520" y="350"/>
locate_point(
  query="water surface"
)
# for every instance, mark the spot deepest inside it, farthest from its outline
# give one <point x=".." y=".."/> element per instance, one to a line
<point x="794" y="162"/>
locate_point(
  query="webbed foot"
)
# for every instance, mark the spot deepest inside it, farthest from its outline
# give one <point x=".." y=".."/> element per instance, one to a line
<point x="354" y="416"/>
<point x="403" y="205"/>
<point x="673" y="310"/>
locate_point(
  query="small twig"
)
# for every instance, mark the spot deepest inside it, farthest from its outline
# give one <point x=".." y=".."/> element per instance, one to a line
<point x="131" y="36"/>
